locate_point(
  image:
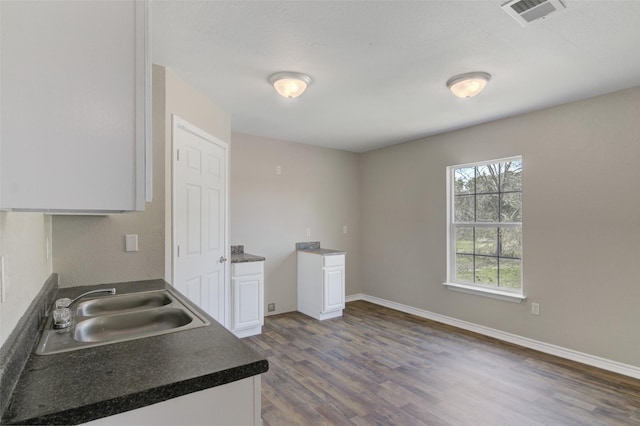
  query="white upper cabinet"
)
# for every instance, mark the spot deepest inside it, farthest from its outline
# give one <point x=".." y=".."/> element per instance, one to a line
<point x="76" y="110"/>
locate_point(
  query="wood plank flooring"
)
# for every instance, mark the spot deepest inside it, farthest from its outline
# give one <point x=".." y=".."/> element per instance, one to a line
<point x="377" y="366"/>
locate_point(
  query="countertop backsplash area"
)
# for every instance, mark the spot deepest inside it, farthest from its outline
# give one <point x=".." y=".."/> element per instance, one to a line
<point x="18" y="346"/>
<point x="314" y="247"/>
<point x="309" y="245"/>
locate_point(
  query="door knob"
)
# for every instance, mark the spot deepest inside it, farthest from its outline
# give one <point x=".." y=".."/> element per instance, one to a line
<point x="223" y="259"/>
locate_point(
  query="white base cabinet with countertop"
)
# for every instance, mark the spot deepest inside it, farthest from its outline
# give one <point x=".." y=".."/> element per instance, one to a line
<point x="247" y="298"/>
<point x="321" y="281"/>
<point x="236" y="403"/>
<point x="76" y="106"/>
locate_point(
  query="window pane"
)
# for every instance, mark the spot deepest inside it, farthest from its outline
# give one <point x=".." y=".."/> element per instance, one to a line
<point x="487" y="207"/>
<point x="488" y="178"/>
<point x="464" y="239"/>
<point x="510" y="273"/>
<point x="510" y="242"/>
<point x="512" y="176"/>
<point x="487" y="270"/>
<point x="511" y="207"/>
<point x="464" y="268"/>
<point x="486" y="231"/>
<point x="463" y="209"/>
<point x="464" y="180"/>
<point x="487" y="241"/>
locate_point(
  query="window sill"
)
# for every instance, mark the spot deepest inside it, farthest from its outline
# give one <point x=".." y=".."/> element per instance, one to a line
<point x="486" y="292"/>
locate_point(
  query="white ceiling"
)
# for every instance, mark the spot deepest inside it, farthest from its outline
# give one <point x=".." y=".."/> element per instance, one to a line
<point x="379" y="68"/>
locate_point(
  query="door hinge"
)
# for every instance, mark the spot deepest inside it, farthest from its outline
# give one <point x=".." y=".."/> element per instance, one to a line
<point x="178" y="254"/>
<point x="178" y="155"/>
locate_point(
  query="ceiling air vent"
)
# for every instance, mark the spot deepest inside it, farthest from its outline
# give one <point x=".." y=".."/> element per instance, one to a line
<point x="526" y="11"/>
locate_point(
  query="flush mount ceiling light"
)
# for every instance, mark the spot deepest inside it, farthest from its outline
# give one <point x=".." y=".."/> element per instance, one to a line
<point x="290" y="84"/>
<point x="469" y="84"/>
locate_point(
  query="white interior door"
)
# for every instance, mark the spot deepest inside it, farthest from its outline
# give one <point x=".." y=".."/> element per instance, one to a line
<point x="200" y="177"/>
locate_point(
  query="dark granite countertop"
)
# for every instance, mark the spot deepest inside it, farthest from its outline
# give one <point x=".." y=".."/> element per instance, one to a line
<point x="245" y="257"/>
<point x="83" y="385"/>
<point x="323" y="251"/>
<point x="314" y="247"/>
<point x="239" y="256"/>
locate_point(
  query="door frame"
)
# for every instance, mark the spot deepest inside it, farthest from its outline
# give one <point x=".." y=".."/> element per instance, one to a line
<point x="177" y="122"/>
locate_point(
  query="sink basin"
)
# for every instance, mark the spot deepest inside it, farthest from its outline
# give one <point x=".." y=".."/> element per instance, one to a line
<point x="123" y="302"/>
<point x="119" y="318"/>
<point x="139" y="323"/>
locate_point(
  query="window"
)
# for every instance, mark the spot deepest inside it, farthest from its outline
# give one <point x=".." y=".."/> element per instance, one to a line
<point x="485" y="227"/>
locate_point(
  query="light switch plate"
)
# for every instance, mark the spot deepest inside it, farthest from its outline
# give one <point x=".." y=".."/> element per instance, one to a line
<point x="131" y="242"/>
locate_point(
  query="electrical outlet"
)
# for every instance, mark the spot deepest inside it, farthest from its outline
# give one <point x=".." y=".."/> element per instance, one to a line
<point x="308" y="232"/>
<point x="271" y="307"/>
<point x="345" y="229"/>
<point x="535" y="309"/>
<point x="278" y="170"/>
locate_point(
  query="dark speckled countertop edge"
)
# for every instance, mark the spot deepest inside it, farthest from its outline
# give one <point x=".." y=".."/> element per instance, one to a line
<point x="142" y="399"/>
<point x="324" y="252"/>
<point x="32" y="402"/>
<point x="314" y="247"/>
<point x="239" y="256"/>
<point x="246" y="257"/>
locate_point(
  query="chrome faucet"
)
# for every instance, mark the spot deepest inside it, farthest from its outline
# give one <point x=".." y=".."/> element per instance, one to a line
<point x="62" y="317"/>
<point x="67" y="303"/>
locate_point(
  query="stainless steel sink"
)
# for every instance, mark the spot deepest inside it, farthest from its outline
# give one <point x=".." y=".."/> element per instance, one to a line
<point x="113" y="319"/>
<point x="132" y="324"/>
<point x="123" y="302"/>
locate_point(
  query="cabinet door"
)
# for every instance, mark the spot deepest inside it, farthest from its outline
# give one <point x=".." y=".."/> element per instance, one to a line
<point x="75" y="103"/>
<point x="333" y="289"/>
<point x="247" y="301"/>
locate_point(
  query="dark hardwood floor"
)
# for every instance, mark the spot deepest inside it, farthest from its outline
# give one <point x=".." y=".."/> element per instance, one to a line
<point x="377" y="366"/>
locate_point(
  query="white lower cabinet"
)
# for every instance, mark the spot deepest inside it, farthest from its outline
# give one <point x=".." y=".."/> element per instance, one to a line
<point x="321" y="279"/>
<point x="333" y="288"/>
<point x="247" y="298"/>
<point x="236" y="403"/>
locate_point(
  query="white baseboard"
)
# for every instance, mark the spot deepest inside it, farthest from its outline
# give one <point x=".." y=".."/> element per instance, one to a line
<point x="353" y="297"/>
<point x="594" y="361"/>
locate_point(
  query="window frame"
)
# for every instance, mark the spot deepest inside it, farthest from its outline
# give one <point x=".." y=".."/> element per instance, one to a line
<point x="503" y="293"/>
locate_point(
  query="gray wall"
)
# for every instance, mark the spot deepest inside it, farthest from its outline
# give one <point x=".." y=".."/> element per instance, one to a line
<point x="581" y="231"/>
<point x="269" y="213"/>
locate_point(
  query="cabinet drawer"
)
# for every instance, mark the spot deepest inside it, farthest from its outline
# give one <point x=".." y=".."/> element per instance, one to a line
<point x="334" y="260"/>
<point x="247" y="268"/>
